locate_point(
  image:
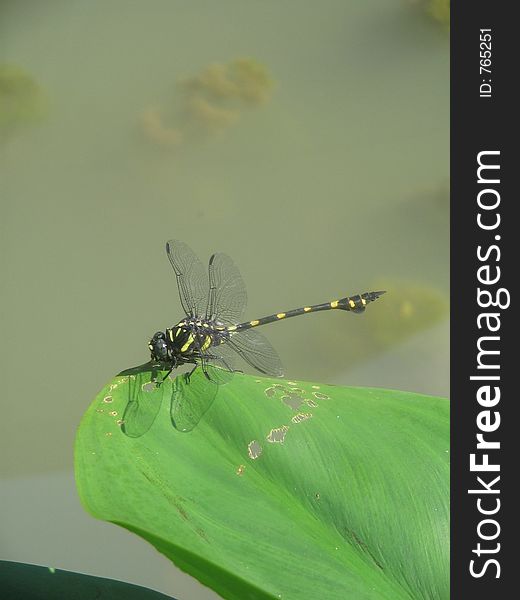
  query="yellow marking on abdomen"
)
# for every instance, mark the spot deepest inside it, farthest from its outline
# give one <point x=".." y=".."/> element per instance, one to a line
<point x="254" y="323"/>
<point x="280" y="315"/>
<point x="232" y="328"/>
<point x="188" y="343"/>
<point x="307" y="308"/>
<point x="334" y="304"/>
<point x="363" y="302"/>
<point x="352" y="304"/>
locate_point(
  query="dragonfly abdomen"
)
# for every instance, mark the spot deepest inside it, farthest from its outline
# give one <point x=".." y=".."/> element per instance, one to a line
<point x="354" y="304"/>
<point x="358" y="302"/>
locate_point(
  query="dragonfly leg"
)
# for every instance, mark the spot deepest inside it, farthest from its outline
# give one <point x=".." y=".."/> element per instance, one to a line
<point x="167" y="375"/>
<point x="229" y="368"/>
<point x="173" y="365"/>
<point x="188" y="375"/>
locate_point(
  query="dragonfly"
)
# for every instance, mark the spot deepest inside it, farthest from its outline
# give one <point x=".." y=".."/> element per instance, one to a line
<point x="210" y="337"/>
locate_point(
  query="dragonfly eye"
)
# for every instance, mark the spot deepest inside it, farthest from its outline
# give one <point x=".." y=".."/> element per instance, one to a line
<point x="158" y="346"/>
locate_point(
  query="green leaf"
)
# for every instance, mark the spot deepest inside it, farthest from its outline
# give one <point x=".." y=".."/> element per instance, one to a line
<point x="283" y="489"/>
<point x="22" y="581"/>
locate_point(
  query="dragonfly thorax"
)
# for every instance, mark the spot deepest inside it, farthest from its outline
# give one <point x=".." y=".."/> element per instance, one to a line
<point x="185" y="340"/>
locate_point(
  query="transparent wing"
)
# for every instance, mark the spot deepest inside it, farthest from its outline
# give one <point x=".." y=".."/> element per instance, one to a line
<point x="219" y="364"/>
<point x="257" y="351"/>
<point x="193" y="395"/>
<point x="216" y="362"/>
<point x="191" y="398"/>
<point x="192" y="279"/>
<point x="227" y="293"/>
<point x="144" y="399"/>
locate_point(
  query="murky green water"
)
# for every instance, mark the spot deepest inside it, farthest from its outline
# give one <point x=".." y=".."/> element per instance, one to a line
<point x="337" y="181"/>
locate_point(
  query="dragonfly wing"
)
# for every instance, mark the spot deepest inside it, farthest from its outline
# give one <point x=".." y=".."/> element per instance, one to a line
<point x="227" y="293"/>
<point x="144" y="399"/>
<point x="193" y="395"/>
<point x="219" y="364"/>
<point x="192" y="279"/>
<point x="257" y="351"/>
<point x="191" y="399"/>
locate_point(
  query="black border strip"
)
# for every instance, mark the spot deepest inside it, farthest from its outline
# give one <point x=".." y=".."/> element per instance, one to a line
<point x="483" y="124"/>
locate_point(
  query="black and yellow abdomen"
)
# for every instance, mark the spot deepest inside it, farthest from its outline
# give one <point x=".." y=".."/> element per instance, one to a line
<point x="356" y="304"/>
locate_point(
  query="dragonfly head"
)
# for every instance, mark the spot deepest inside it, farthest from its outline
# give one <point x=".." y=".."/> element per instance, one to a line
<point x="158" y="347"/>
